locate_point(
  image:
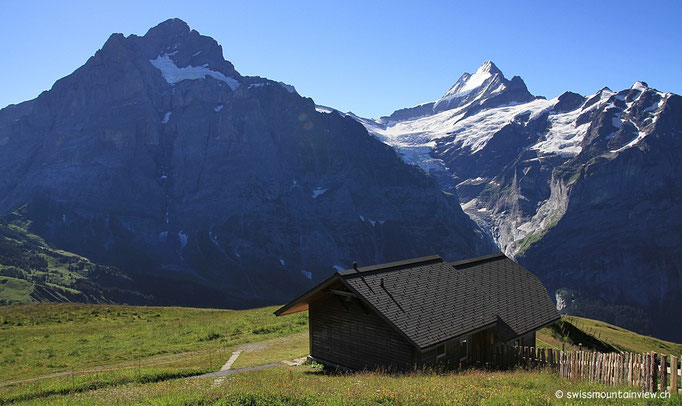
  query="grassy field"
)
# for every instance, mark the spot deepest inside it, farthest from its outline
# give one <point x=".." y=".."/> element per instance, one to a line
<point x="99" y="354"/>
<point x="308" y="385"/>
<point x="75" y="347"/>
<point x="609" y="335"/>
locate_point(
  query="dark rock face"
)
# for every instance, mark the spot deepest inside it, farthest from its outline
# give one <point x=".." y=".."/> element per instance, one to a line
<point x="621" y="234"/>
<point x="584" y="191"/>
<point x="209" y="187"/>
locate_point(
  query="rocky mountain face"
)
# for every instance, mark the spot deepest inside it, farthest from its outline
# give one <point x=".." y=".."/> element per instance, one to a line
<point x="211" y="188"/>
<point x="585" y="191"/>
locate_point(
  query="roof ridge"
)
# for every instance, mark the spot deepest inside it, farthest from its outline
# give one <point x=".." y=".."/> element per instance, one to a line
<point x="477" y="260"/>
<point x="409" y="263"/>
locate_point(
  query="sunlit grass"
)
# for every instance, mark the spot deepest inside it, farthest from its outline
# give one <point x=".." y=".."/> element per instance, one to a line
<point x="142" y="355"/>
<point x="279" y="349"/>
<point x="306" y="385"/>
<point x="618" y="337"/>
<point x="46" y="338"/>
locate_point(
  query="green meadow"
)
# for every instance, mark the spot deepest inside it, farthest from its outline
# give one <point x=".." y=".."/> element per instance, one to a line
<point x="76" y="354"/>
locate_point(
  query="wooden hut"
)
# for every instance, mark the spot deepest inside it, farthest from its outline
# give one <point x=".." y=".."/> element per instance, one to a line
<point x="423" y="312"/>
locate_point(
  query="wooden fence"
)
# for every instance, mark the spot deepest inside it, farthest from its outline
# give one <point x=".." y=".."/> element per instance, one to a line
<point x="651" y="371"/>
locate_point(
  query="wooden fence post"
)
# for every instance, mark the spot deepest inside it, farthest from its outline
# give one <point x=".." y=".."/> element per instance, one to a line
<point x="561" y="364"/>
<point x="616" y="376"/>
<point x="571" y="357"/>
<point x="650" y="373"/>
<point x="527" y="354"/>
<point x="647" y="374"/>
<point x="576" y="361"/>
<point x="521" y="356"/>
<point x="673" y="374"/>
<point x="640" y="370"/>
<point x="663" y="374"/>
<point x="654" y="372"/>
<point x="615" y="369"/>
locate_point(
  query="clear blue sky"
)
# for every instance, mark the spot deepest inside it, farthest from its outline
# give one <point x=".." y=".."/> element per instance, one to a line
<point x="369" y="57"/>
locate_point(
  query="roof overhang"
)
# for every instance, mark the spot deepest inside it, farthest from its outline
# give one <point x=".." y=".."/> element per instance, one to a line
<point x="538" y="327"/>
<point x="300" y="304"/>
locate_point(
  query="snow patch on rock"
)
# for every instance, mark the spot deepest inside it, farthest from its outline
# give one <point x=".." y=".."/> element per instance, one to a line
<point x="174" y="74"/>
<point x="318" y="192"/>
<point x="183" y="239"/>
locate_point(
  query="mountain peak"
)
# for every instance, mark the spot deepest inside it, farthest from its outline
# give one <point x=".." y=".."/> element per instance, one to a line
<point x="487" y="80"/>
<point x="467" y="83"/>
<point x="489" y="67"/>
<point x="169" y="27"/>
<point x="639" y="85"/>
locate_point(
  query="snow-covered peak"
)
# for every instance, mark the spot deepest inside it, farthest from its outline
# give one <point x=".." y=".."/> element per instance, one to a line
<point x="468" y="82"/>
<point x="486" y="81"/>
<point x="490" y="67"/>
<point x="641" y="86"/>
<point x="174" y="74"/>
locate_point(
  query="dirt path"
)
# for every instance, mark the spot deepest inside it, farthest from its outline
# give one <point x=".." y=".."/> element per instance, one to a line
<point x="220" y="375"/>
<point x="226" y="367"/>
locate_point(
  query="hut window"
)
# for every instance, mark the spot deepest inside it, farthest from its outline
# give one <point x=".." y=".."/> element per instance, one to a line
<point x="440" y="351"/>
<point x="463" y="349"/>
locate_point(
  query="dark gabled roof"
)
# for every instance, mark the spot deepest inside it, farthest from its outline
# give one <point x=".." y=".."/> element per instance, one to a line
<point x="301" y="303"/>
<point x="430" y="301"/>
